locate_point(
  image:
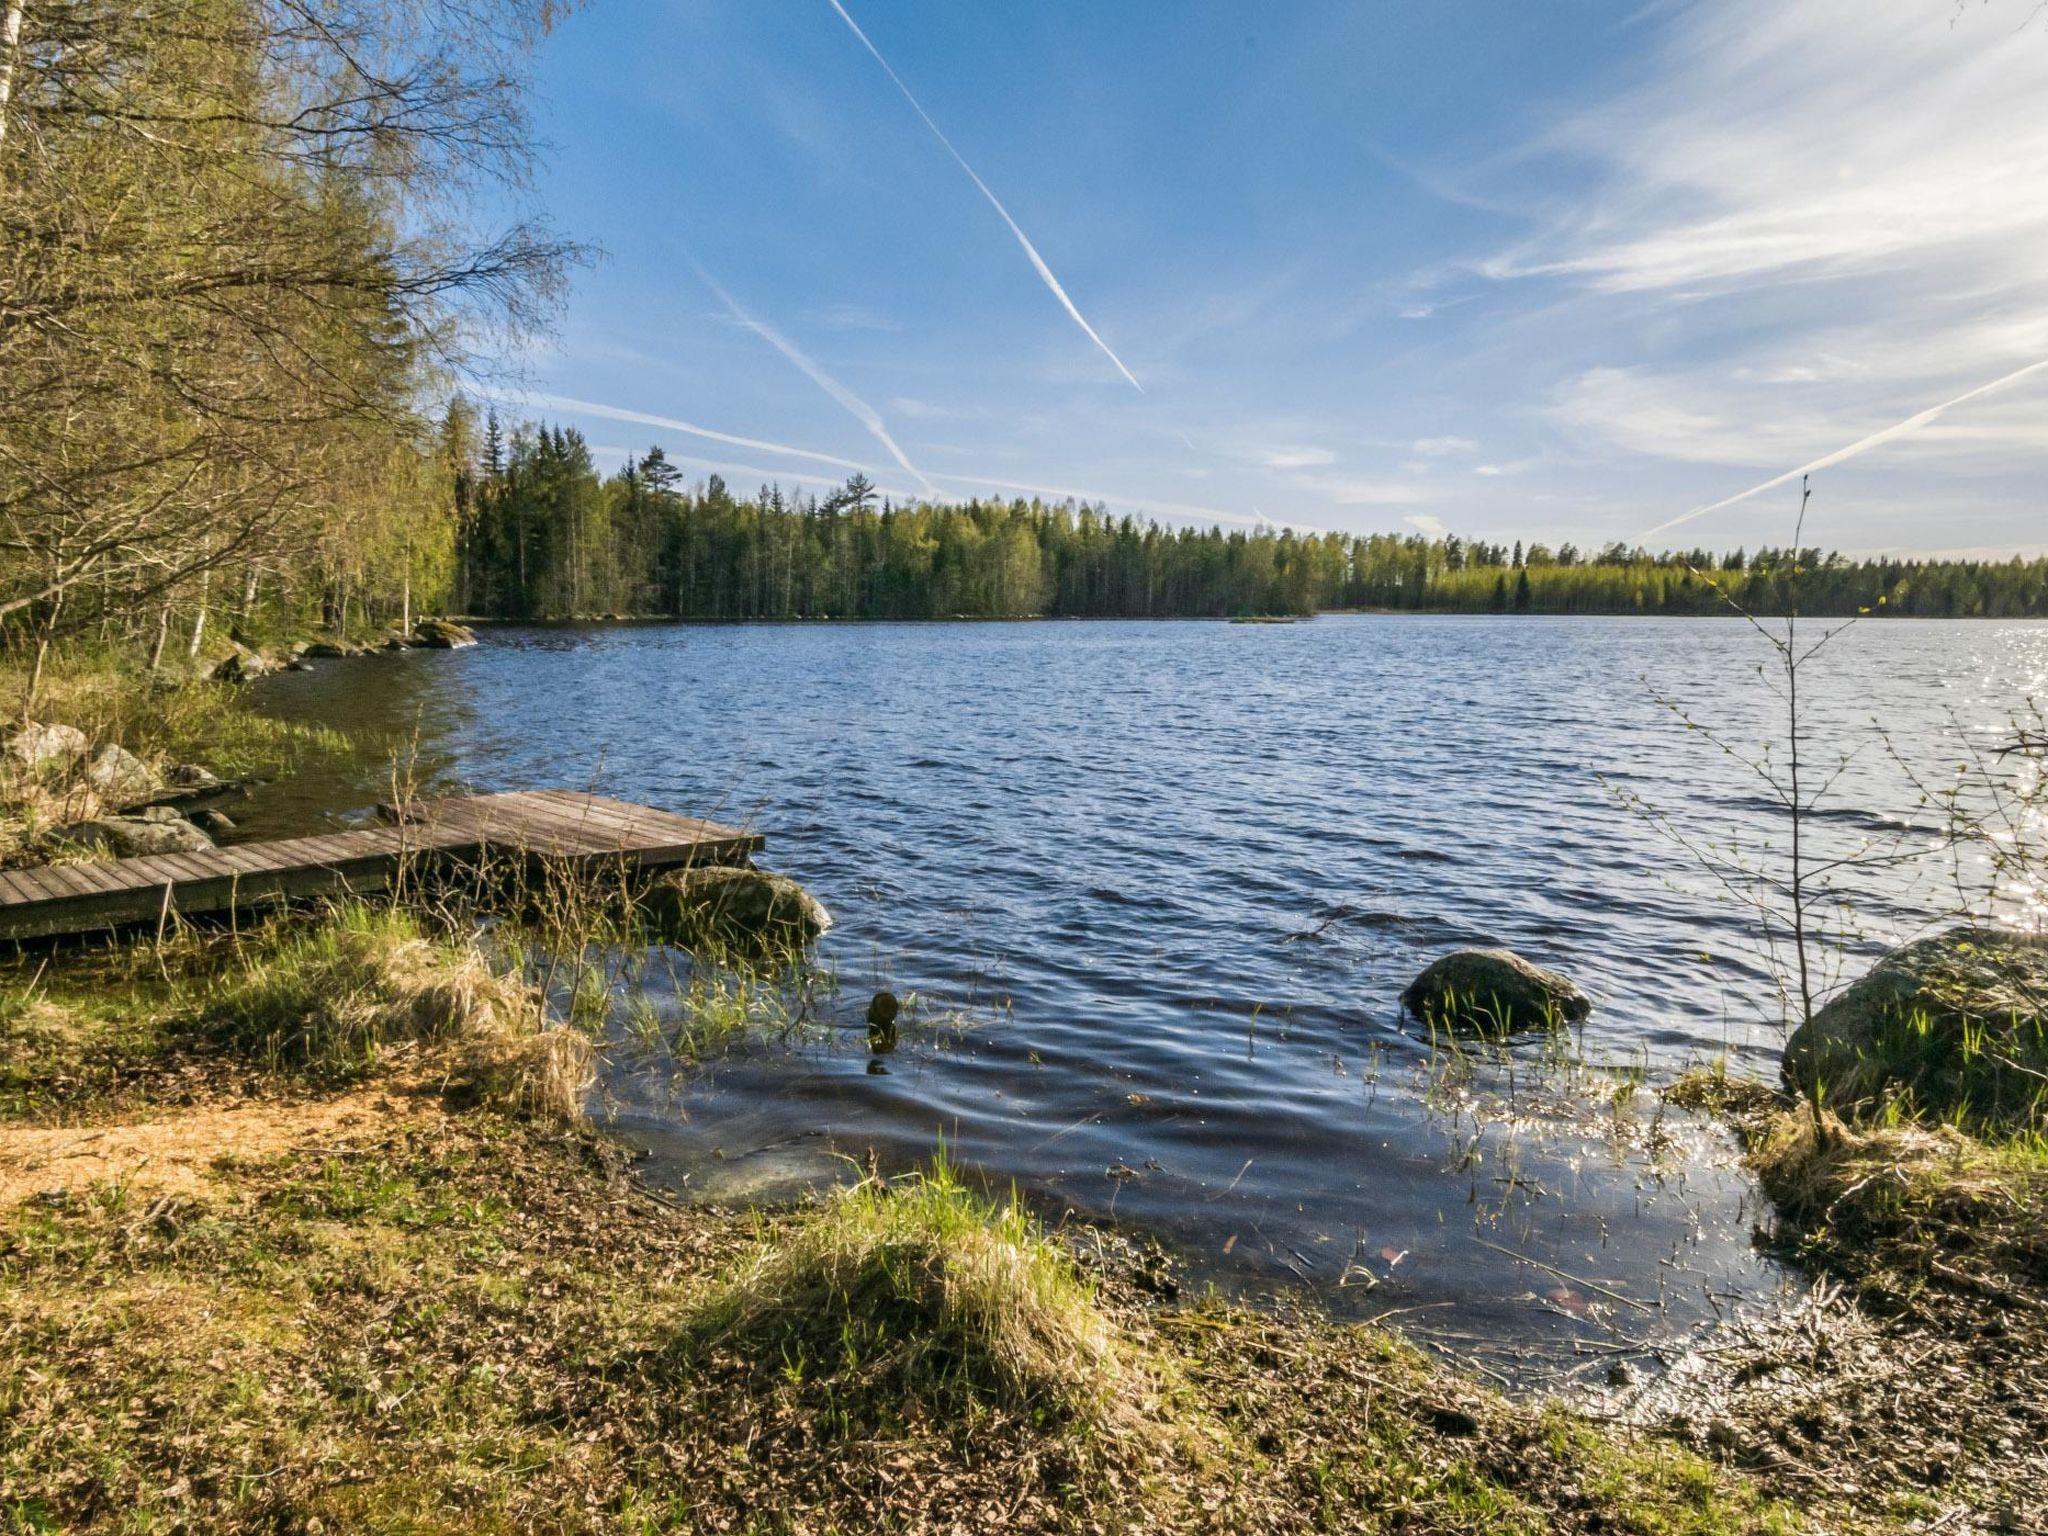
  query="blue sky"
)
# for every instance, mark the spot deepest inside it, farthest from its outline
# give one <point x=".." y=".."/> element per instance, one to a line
<point x="1563" y="271"/>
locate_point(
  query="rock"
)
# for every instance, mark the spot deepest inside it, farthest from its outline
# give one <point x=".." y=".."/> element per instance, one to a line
<point x="330" y="650"/>
<point x="883" y="1011"/>
<point x="34" y="745"/>
<point x="1493" y="992"/>
<point x="120" y="777"/>
<point x="736" y="907"/>
<point x="192" y="776"/>
<point x="395" y="643"/>
<point x="127" y="837"/>
<point x="1957" y="1021"/>
<point x="239" y="666"/>
<point x="442" y="635"/>
<point x="213" y="823"/>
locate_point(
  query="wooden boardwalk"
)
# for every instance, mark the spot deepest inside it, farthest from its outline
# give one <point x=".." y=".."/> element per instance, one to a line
<point x="583" y="831"/>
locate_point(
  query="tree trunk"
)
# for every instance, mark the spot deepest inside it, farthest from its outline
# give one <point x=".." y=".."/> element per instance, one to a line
<point x="163" y="633"/>
<point x="10" y="44"/>
<point x="199" y="620"/>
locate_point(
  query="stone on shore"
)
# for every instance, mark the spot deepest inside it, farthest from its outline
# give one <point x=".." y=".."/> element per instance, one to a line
<point x="734" y="907"/>
<point x="127" y="837"/>
<point x="119" y="777"/>
<point x="1956" y="1022"/>
<point x="330" y="650"/>
<point x="35" y="745"/>
<point x="1493" y="992"/>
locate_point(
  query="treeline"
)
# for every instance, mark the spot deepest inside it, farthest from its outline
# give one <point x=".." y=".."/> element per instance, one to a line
<point x="546" y="536"/>
<point x="242" y="243"/>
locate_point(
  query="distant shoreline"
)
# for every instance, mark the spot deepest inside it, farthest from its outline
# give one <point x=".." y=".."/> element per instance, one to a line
<point x="656" y="620"/>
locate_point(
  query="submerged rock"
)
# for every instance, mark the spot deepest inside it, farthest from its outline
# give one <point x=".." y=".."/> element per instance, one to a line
<point x="35" y="745"/>
<point x="127" y="837"/>
<point x="1493" y="992"/>
<point x="120" y="777"/>
<point x="442" y="635"/>
<point x="734" y="906"/>
<point x="1957" y="1021"/>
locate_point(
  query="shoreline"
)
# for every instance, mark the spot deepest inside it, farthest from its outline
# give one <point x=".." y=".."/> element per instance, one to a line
<point x="205" y="1169"/>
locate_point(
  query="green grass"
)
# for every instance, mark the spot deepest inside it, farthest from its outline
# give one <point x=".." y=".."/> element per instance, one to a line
<point x="919" y="1296"/>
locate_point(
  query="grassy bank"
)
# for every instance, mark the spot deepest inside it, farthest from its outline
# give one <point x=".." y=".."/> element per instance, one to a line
<point x="285" y="1243"/>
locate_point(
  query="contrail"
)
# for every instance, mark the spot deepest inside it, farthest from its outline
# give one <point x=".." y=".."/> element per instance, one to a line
<point x="1030" y="250"/>
<point x="643" y="418"/>
<point x="858" y="408"/>
<point x="1863" y="445"/>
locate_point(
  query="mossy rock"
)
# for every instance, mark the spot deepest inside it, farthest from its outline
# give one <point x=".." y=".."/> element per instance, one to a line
<point x="1953" y="1024"/>
<point x="734" y="907"/>
<point x="1493" y="992"/>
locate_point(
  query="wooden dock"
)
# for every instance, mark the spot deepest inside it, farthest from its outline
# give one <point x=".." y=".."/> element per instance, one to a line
<point x="564" y="827"/>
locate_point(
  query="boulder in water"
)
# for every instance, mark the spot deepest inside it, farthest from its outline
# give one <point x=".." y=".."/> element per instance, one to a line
<point x="330" y="650"/>
<point x="1493" y="992"/>
<point x="734" y="907"/>
<point x="127" y="837"/>
<point x="1955" y="1023"/>
<point x="239" y="666"/>
<point x="442" y="635"/>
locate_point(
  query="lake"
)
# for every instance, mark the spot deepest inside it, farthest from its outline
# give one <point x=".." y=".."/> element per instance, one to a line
<point x="1157" y="887"/>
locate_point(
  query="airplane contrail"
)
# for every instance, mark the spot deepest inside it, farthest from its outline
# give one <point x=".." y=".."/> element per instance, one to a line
<point x="1024" y="240"/>
<point x="856" y="407"/>
<point x="643" y="418"/>
<point x="1862" y="445"/>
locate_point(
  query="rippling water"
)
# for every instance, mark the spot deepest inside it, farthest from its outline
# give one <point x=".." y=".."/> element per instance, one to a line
<point x="1172" y="877"/>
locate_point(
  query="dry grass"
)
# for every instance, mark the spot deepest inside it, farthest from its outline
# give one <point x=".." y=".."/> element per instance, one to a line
<point x="328" y="998"/>
<point x="1907" y="1202"/>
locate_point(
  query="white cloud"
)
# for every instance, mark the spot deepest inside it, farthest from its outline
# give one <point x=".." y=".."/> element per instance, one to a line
<point x="1424" y="523"/>
<point x="1293" y="458"/>
<point x="1347" y="491"/>
<point x="1443" y="447"/>
<point x="1828" y="137"/>
<point x="1803" y="225"/>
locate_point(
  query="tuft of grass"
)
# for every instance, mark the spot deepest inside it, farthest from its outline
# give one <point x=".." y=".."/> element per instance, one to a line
<point x="328" y="998"/>
<point x="920" y="1299"/>
<point x="1711" y="1089"/>
<point x="1904" y="1202"/>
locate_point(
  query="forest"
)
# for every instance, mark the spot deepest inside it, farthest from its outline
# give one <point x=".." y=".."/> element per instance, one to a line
<point x="544" y="535"/>
<point x="248" y="244"/>
<point x="258" y="252"/>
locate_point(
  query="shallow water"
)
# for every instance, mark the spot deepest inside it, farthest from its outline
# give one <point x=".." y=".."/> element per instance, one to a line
<point x="1171" y="878"/>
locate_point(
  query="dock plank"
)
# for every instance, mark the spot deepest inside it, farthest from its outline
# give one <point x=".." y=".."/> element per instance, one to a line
<point x="552" y="826"/>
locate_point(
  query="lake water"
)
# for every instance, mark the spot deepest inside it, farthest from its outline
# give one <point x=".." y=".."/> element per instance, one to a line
<point x="1157" y="887"/>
